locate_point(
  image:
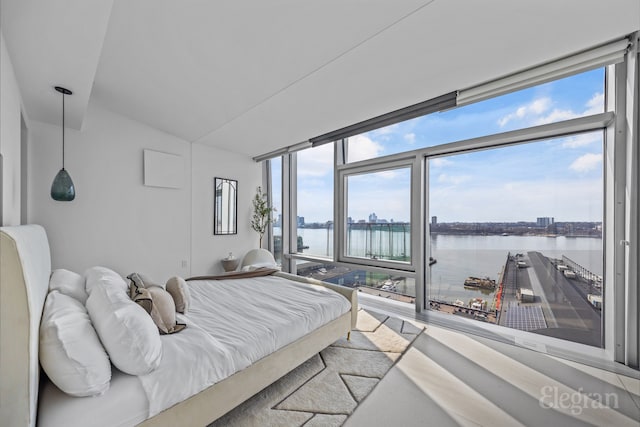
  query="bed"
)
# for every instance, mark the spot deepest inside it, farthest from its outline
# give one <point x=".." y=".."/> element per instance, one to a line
<point x="27" y="397"/>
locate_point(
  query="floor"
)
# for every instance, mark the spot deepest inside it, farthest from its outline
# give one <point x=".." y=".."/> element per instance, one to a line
<point x="452" y="378"/>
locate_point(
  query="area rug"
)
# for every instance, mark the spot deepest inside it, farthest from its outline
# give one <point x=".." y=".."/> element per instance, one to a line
<point x="327" y="388"/>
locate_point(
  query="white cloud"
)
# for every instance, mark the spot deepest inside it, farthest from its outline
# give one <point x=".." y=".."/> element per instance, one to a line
<point x="385" y="130"/>
<point x="556" y="116"/>
<point x="388" y="175"/>
<point x="362" y="147"/>
<point x="444" y="178"/>
<point x="440" y="162"/>
<point x="586" y="163"/>
<point x="536" y="107"/>
<point x="537" y="111"/>
<point x="582" y="140"/>
<point x="510" y="186"/>
<point x="410" y="138"/>
<point x="316" y="162"/>
<point x="596" y="104"/>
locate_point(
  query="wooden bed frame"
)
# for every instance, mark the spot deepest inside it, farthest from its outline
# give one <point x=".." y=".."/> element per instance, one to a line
<point x="25" y="267"/>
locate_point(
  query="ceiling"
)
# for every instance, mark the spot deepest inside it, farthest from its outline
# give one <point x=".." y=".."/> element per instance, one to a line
<point x="252" y="76"/>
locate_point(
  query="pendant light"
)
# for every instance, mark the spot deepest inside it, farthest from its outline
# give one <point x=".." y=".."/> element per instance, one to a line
<point x="62" y="188"/>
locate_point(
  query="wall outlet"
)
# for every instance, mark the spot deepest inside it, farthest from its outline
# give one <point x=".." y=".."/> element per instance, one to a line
<point x="184" y="263"/>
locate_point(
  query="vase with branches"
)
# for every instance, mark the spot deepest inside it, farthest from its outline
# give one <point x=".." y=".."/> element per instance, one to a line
<point x="262" y="214"/>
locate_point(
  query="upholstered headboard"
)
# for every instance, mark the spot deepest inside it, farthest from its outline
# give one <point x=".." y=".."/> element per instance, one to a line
<point x="25" y="267"/>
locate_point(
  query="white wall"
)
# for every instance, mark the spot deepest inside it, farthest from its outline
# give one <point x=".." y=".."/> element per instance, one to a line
<point x="118" y="222"/>
<point x="114" y="220"/>
<point x="207" y="249"/>
<point x="10" y="108"/>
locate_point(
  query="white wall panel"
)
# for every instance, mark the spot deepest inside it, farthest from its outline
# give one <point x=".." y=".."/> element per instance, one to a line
<point x="9" y="140"/>
<point x="114" y="220"/>
<point x="207" y="249"/>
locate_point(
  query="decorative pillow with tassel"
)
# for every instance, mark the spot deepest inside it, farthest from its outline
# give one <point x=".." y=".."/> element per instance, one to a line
<point x="157" y="302"/>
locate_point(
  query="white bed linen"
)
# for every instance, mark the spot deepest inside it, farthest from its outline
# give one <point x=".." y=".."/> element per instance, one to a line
<point x="231" y="324"/>
<point x="260" y="315"/>
<point x="192" y="360"/>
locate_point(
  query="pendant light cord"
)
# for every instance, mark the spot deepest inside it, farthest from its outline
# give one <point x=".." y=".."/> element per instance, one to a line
<point x="63" y="131"/>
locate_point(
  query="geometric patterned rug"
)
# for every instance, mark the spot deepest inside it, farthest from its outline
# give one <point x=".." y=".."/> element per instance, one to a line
<point x="327" y="388"/>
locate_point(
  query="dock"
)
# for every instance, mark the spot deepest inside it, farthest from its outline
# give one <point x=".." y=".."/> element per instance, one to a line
<point x="534" y="293"/>
<point x="560" y="307"/>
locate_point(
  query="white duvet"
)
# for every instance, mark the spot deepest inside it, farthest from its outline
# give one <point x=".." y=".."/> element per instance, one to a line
<point x="232" y="324"/>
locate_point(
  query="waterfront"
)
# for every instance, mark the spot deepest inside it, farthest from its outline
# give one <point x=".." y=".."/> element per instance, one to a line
<point x="484" y="256"/>
<point x="461" y="256"/>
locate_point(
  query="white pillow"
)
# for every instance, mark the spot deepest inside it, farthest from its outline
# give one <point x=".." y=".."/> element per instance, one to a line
<point x="96" y="274"/>
<point x="70" y="352"/>
<point x="68" y="283"/>
<point x="125" y="329"/>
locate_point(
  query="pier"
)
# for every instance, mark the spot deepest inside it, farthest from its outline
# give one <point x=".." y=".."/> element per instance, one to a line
<point x="560" y="305"/>
<point x="511" y="312"/>
<point x="582" y="271"/>
<point x="535" y="293"/>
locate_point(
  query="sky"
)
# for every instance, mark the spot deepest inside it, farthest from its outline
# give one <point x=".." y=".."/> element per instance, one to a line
<point x="560" y="178"/>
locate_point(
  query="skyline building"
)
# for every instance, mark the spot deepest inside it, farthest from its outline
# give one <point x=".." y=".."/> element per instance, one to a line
<point x="544" y="221"/>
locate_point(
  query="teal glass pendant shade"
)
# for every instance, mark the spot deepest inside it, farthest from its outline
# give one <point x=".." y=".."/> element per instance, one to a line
<point x="62" y="188"/>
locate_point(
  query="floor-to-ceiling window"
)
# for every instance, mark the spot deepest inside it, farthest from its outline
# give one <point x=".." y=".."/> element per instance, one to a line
<point x="517" y="235"/>
<point x="492" y="211"/>
<point x="514" y="226"/>
<point x="314" y="216"/>
<point x="377" y="229"/>
<point x="275" y="198"/>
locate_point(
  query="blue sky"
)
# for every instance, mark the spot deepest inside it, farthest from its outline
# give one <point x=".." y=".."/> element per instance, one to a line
<point x="561" y="178"/>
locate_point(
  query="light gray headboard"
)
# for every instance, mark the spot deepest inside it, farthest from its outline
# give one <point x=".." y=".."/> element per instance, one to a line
<point x="25" y="267"/>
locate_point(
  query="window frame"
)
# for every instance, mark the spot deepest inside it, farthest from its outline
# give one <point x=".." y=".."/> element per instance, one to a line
<point x="340" y="223"/>
<point x="601" y="122"/>
<point x="620" y="176"/>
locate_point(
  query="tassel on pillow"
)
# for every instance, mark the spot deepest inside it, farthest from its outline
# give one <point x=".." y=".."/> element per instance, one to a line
<point x="157" y="302"/>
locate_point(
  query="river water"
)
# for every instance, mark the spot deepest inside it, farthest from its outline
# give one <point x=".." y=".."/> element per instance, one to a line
<point x="459" y="257"/>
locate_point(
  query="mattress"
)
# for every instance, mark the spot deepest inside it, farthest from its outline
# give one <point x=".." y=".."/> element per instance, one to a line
<point x="56" y="409"/>
<point x="257" y="316"/>
<point x="231" y="324"/>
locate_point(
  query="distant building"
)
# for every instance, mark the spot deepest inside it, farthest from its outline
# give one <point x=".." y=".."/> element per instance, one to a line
<point x="569" y="228"/>
<point x="373" y="218"/>
<point x="300" y="221"/>
<point x="434" y="220"/>
<point x="544" y="221"/>
<point x="349" y="220"/>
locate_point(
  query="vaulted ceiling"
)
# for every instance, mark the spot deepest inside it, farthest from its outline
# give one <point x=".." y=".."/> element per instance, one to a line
<point x="252" y="76"/>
